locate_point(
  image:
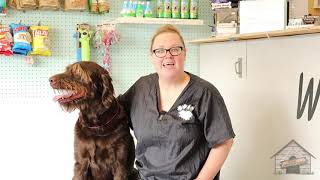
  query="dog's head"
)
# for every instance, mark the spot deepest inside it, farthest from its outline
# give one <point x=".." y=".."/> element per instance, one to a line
<point x="81" y="85"/>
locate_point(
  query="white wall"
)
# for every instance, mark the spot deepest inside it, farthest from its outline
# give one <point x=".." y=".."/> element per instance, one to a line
<point x="36" y="141"/>
<point x="263" y="104"/>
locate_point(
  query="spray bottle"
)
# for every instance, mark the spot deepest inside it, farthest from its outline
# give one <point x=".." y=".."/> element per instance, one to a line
<point x="167" y="9"/>
<point x="185" y="8"/>
<point x="160" y="8"/>
<point x="176" y="4"/>
<point x="194" y="9"/>
<point x="148" y="10"/>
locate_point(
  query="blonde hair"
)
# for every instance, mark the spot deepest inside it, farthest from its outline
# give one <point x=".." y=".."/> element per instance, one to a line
<point x="168" y="28"/>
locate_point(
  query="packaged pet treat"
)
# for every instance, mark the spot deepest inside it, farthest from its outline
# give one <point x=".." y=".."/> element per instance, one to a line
<point x="40" y="41"/>
<point x="27" y="4"/>
<point x="49" y="4"/>
<point x="5" y="41"/>
<point x="99" y="6"/>
<point x="75" y="5"/>
<point x="21" y="39"/>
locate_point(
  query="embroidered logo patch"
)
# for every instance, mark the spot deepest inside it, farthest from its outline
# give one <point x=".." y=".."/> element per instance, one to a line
<point x="185" y="111"/>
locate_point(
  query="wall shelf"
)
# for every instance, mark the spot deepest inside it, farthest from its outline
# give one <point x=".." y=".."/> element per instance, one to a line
<point x="260" y="35"/>
<point x="140" y="20"/>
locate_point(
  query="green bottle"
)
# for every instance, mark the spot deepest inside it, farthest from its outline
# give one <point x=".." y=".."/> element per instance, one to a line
<point x="176" y="4"/>
<point x="148" y="9"/>
<point x="193" y="9"/>
<point x="140" y="9"/>
<point x="167" y="9"/>
<point x="185" y="8"/>
<point x="160" y="8"/>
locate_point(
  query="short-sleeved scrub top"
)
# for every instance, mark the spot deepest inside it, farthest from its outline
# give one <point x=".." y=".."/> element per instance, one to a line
<point x="174" y="145"/>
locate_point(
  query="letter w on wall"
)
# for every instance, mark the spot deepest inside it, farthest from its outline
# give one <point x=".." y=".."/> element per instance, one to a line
<point x="308" y="95"/>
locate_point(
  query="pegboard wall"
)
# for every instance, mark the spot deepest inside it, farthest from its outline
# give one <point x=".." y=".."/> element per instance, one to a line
<point x="130" y="56"/>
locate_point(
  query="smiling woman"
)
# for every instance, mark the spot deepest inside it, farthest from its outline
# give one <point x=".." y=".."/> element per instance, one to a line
<point x="182" y="126"/>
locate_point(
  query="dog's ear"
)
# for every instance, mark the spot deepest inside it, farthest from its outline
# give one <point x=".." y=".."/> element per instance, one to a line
<point x="108" y="91"/>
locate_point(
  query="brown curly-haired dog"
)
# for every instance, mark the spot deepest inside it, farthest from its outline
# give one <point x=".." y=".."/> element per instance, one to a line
<point x="104" y="148"/>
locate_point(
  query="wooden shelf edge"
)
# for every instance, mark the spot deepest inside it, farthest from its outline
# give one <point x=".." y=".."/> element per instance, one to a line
<point x="140" y="20"/>
<point x="259" y="35"/>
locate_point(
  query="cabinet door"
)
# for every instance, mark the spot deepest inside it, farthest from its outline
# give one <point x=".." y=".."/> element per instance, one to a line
<point x="218" y="66"/>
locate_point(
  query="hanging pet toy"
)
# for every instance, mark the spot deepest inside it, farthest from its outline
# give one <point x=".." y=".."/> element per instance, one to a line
<point x="105" y="36"/>
<point x="83" y="37"/>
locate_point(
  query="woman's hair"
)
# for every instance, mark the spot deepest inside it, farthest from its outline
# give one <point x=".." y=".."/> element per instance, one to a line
<point x="166" y="29"/>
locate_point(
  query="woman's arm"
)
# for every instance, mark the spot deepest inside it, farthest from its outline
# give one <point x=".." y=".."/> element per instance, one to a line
<point x="215" y="160"/>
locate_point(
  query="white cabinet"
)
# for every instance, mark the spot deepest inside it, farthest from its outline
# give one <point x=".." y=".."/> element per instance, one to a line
<point x="263" y="103"/>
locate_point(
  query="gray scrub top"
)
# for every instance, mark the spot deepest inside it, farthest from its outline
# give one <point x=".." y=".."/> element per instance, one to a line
<point x="174" y="145"/>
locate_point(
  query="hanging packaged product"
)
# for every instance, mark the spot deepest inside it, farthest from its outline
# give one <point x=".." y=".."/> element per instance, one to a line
<point x="176" y="9"/>
<point x="160" y="8"/>
<point x="3" y="7"/>
<point x="75" y="5"/>
<point x="99" y="6"/>
<point x="167" y="9"/>
<point x="40" y="40"/>
<point x="23" y="4"/>
<point x="185" y="8"/>
<point x="194" y="9"/>
<point x="49" y="4"/>
<point x="5" y="41"/>
<point x="21" y="39"/>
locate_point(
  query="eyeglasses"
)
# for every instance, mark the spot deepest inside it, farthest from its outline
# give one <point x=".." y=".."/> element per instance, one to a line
<point x="174" y="51"/>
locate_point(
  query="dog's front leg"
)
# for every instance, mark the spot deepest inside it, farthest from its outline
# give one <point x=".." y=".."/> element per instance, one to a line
<point x="120" y="173"/>
<point x="82" y="154"/>
<point x="81" y="171"/>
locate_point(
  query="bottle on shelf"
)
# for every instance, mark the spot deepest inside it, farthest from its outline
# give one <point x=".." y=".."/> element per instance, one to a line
<point x="176" y="4"/>
<point x="148" y="10"/>
<point x="124" y="10"/>
<point x="131" y="8"/>
<point x="140" y="9"/>
<point x="160" y="8"/>
<point x="194" y="9"/>
<point x="185" y="9"/>
<point x="167" y="9"/>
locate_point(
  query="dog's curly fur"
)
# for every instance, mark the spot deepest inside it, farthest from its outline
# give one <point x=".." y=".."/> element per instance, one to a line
<point x="103" y="146"/>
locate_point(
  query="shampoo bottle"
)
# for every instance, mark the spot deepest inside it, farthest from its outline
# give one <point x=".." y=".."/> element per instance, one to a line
<point x="176" y="9"/>
<point x="185" y="8"/>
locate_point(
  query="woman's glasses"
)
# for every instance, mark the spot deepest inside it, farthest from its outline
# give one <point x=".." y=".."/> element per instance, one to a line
<point x="174" y="51"/>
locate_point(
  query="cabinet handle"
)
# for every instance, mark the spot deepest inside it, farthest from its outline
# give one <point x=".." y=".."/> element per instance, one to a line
<point x="238" y="67"/>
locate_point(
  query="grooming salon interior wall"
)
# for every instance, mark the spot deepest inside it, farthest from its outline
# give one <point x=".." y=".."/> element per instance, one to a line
<point x="37" y="136"/>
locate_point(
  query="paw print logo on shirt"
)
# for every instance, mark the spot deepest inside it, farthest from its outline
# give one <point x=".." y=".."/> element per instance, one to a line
<point x="185" y="111"/>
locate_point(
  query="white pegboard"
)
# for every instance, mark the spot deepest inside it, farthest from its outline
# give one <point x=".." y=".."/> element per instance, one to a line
<point x="34" y="131"/>
<point x="130" y="56"/>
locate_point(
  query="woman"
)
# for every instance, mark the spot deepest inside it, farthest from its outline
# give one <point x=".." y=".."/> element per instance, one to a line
<point x="181" y="123"/>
